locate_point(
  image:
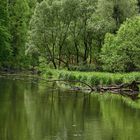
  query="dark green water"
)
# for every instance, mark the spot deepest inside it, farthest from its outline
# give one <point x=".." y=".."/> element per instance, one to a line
<point x="32" y="110"/>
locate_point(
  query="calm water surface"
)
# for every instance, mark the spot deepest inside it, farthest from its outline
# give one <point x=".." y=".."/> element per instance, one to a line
<point x="32" y="110"/>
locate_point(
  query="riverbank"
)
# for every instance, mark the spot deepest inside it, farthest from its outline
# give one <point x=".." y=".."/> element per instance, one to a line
<point x="126" y="84"/>
<point x="93" y="78"/>
<point x="80" y="80"/>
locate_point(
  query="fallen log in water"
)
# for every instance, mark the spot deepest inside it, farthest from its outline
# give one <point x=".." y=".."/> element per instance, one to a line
<point x="126" y="87"/>
<point x="129" y="88"/>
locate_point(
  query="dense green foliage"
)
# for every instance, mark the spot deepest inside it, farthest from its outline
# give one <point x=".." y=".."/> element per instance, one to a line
<point x="4" y="34"/>
<point x="121" y="52"/>
<point x="68" y="33"/>
<point x="18" y="14"/>
<point x="117" y="11"/>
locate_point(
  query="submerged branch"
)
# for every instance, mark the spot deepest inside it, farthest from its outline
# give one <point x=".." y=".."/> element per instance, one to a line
<point x="72" y="81"/>
<point x="129" y="88"/>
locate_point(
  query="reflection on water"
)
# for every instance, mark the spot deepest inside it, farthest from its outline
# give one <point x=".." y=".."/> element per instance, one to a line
<point x="30" y="110"/>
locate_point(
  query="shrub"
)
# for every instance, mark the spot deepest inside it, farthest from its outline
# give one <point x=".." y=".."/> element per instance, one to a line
<point x="120" y="52"/>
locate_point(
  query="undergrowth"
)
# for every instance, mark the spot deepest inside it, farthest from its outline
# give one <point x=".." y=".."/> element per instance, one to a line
<point x="93" y="78"/>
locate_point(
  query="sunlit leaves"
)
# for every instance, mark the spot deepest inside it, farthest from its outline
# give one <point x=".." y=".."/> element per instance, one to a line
<point x="121" y="52"/>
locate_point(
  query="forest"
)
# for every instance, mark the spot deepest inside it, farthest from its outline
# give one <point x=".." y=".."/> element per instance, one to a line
<point x="81" y="35"/>
<point x="69" y="69"/>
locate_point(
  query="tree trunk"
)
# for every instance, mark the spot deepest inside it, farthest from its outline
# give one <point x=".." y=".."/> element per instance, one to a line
<point x="85" y="52"/>
<point x="77" y="53"/>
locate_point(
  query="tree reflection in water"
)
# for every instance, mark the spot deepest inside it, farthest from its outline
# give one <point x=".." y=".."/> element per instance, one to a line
<point x="43" y="112"/>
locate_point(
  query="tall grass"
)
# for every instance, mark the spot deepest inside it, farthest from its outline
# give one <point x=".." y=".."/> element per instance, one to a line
<point x="93" y="78"/>
<point x="100" y="78"/>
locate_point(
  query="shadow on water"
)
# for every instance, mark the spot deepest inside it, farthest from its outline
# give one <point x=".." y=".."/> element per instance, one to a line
<point x="32" y="110"/>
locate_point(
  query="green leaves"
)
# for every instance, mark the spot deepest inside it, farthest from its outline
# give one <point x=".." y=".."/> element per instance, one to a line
<point x="5" y="49"/>
<point x="59" y="30"/>
<point x="69" y="33"/>
<point x="121" y="52"/>
<point x="19" y="17"/>
<point x="4" y="45"/>
<point x="117" y="11"/>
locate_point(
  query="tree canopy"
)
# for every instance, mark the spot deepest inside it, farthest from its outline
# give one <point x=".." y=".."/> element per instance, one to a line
<point x="120" y="52"/>
<point x="65" y="33"/>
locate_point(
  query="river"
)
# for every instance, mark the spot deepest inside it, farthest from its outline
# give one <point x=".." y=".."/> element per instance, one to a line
<point x="34" y="110"/>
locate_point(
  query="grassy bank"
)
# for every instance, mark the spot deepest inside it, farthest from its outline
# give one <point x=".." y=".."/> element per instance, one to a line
<point x="93" y="78"/>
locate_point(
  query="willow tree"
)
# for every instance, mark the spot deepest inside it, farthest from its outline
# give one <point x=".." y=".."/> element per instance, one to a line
<point x="48" y="35"/>
<point x="59" y="29"/>
<point x="39" y="34"/>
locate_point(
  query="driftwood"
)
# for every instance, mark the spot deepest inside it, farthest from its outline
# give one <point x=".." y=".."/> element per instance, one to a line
<point x="125" y="88"/>
<point x="130" y="89"/>
<point x="73" y="81"/>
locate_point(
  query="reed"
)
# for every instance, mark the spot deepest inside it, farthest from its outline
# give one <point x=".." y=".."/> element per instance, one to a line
<point x="93" y="78"/>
